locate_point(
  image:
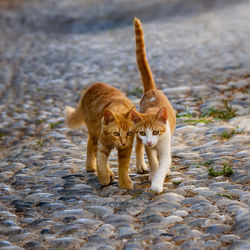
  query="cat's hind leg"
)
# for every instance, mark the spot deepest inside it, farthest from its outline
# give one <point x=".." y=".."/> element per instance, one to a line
<point x="91" y="154"/>
<point x="141" y="166"/>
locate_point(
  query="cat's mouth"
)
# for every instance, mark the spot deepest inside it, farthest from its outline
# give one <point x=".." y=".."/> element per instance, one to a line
<point x="150" y="146"/>
<point x="122" y="146"/>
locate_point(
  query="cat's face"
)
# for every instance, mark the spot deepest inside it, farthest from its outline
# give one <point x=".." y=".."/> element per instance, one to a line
<point x="118" y="129"/>
<point x="150" y="134"/>
<point x="150" y="128"/>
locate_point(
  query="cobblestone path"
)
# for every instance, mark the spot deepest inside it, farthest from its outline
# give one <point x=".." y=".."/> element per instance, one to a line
<point x="50" y="51"/>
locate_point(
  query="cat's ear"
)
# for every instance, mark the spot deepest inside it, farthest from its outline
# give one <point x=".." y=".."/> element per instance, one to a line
<point x="108" y="116"/>
<point x="162" y="115"/>
<point x="135" y="116"/>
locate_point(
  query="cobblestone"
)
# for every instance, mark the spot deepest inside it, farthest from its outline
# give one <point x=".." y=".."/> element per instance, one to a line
<point x="50" y="51"/>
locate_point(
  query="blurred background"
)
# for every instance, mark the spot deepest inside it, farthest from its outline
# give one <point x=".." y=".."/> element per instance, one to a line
<point x="96" y="15"/>
<point x="46" y="44"/>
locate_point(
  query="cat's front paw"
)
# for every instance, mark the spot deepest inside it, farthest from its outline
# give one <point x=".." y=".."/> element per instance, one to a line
<point x="142" y="168"/>
<point x="126" y="184"/>
<point x="112" y="176"/>
<point x="157" y="188"/>
<point x="90" y="168"/>
<point x="106" y="179"/>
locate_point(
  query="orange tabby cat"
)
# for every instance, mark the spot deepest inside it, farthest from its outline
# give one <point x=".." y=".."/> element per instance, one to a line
<point x="155" y="123"/>
<point x="106" y="111"/>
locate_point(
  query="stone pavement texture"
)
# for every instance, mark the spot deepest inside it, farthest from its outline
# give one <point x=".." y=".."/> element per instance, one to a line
<point x="50" y="51"/>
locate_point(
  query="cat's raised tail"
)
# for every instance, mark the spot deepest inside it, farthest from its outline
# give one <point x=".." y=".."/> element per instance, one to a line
<point x="142" y="62"/>
<point x="74" y="117"/>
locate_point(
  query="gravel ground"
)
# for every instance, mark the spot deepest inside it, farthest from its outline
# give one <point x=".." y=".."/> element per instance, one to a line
<point x="50" y="51"/>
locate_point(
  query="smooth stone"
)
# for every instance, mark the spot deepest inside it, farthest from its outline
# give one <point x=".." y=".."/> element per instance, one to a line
<point x="106" y="230"/>
<point x="12" y="231"/>
<point x="152" y="218"/>
<point x="194" y="244"/>
<point x="194" y="200"/>
<point x="11" y="248"/>
<point x="219" y="184"/>
<point x="245" y="198"/>
<point x="125" y="232"/>
<point x="34" y="245"/>
<point x="65" y="243"/>
<point x="242" y="215"/>
<point x="229" y="238"/>
<point x="87" y="222"/>
<point x="211" y="244"/>
<point x="244" y="180"/>
<point x="95" y="238"/>
<point x="241" y="226"/>
<point x="164" y="246"/>
<point x="171" y="197"/>
<point x="179" y="229"/>
<point x="132" y="246"/>
<point x="240" y="245"/>
<point x="98" y="247"/>
<point x="177" y="90"/>
<point x="186" y="188"/>
<point x="200" y="189"/>
<point x="119" y="219"/>
<point x="181" y="213"/>
<point x="217" y="229"/>
<point x="101" y="211"/>
<point x="207" y="193"/>
<point x="4" y="243"/>
<point x="171" y="219"/>
<point x="197" y="222"/>
<point x="78" y="213"/>
<point x="14" y="167"/>
<point x="165" y="206"/>
<point x="8" y="223"/>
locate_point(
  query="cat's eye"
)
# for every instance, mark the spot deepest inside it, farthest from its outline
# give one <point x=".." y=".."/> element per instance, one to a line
<point x="155" y="132"/>
<point x="130" y="133"/>
<point x="116" y="133"/>
<point x="142" y="133"/>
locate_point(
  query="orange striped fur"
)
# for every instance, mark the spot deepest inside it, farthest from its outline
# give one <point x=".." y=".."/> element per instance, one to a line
<point x="106" y="113"/>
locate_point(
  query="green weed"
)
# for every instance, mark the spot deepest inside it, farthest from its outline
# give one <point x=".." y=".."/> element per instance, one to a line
<point x="38" y="122"/>
<point x="229" y="196"/>
<point x="53" y="125"/>
<point x="223" y="114"/>
<point x="198" y="120"/>
<point x="176" y="182"/>
<point x="204" y="163"/>
<point x="2" y="134"/>
<point x="226" y="171"/>
<point x="135" y="92"/>
<point x="41" y="142"/>
<point x="227" y="135"/>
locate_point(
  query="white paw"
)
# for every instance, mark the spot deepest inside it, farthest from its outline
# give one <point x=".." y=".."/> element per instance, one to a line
<point x="157" y="188"/>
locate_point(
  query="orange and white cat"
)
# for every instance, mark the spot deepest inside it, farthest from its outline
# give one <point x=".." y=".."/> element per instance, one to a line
<point x="106" y="112"/>
<point x="156" y="122"/>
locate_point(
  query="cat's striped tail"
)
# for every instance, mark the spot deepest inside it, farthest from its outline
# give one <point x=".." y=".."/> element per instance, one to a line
<point x="74" y="117"/>
<point x="142" y="62"/>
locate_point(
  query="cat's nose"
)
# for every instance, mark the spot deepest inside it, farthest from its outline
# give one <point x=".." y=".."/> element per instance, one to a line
<point x="149" y="143"/>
